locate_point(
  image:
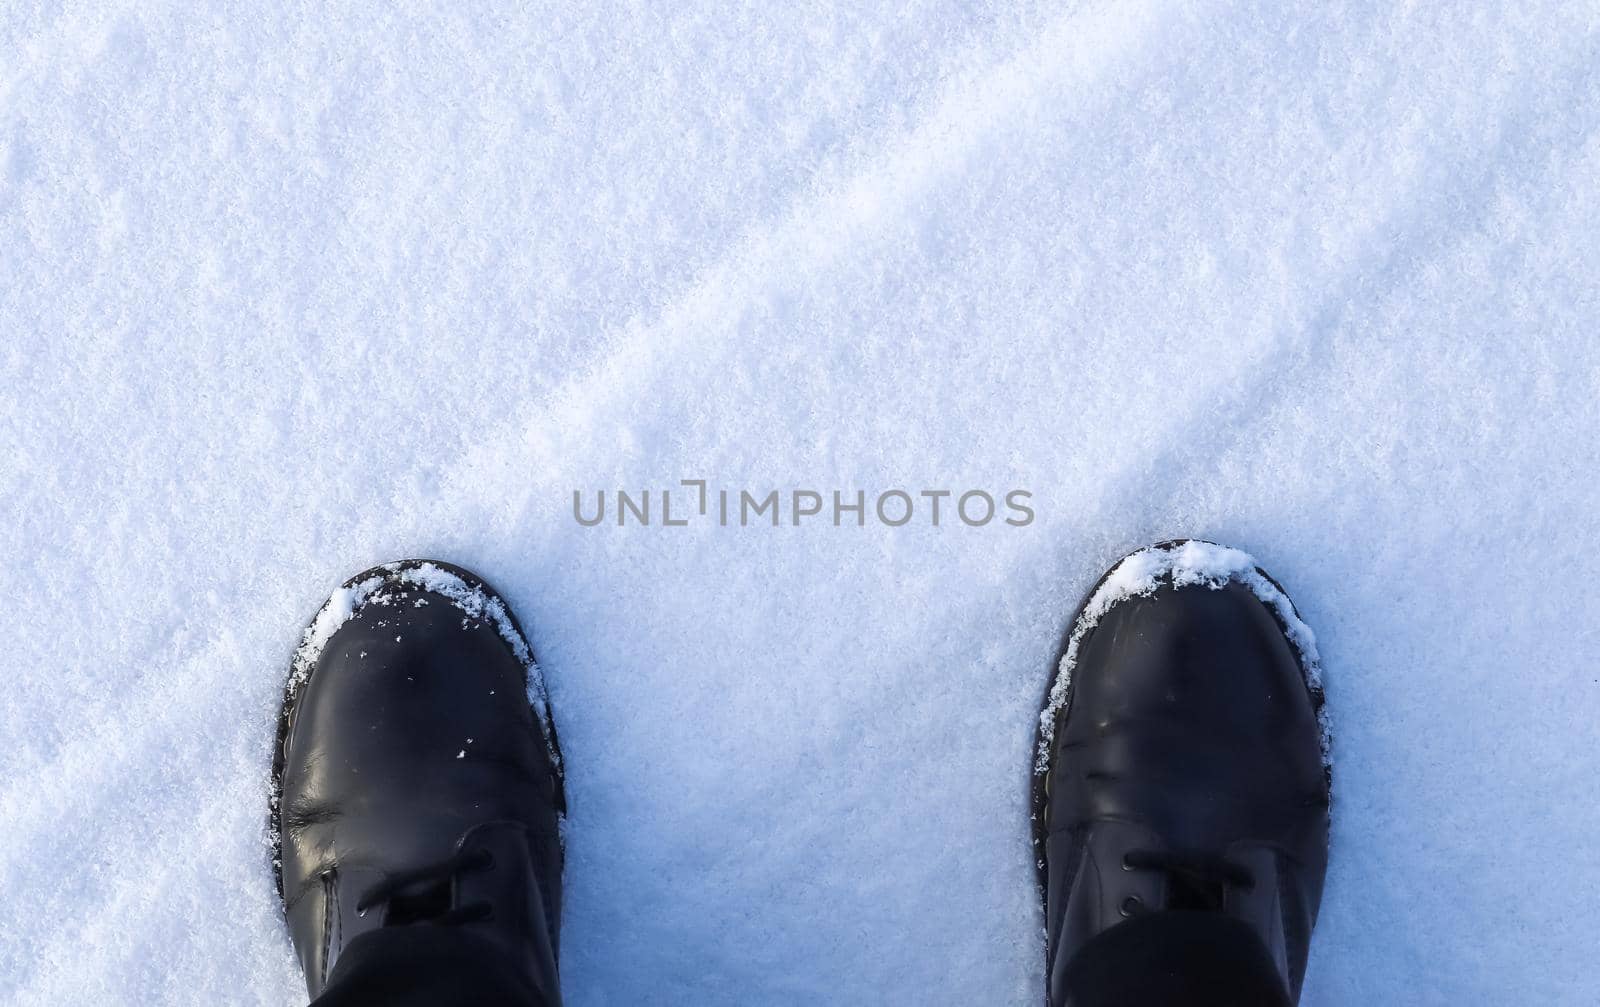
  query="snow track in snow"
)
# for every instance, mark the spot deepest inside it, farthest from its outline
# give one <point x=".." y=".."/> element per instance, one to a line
<point x="288" y="298"/>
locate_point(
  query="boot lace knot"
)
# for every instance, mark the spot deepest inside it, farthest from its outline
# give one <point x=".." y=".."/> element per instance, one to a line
<point x="1194" y="881"/>
<point x="425" y="894"/>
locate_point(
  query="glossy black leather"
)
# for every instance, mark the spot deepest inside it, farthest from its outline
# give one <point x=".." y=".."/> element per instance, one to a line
<point x="1190" y="731"/>
<point x="413" y="742"/>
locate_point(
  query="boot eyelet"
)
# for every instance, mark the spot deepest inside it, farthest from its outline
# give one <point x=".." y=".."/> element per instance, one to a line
<point x="1131" y="906"/>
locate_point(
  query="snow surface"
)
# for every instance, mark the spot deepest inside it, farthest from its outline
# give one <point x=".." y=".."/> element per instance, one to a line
<point x="287" y="291"/>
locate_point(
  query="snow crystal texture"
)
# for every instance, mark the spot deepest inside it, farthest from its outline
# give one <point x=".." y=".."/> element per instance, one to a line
<point x="287" y="292"/>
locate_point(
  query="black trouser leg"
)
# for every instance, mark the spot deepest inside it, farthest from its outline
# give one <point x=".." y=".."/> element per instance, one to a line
<point x="431" y="966"/>
<point x="1172" y="959"/>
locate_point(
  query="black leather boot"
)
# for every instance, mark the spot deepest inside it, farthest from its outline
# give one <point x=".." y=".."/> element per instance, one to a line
<point x="1181" y="767"/>
<point x="417" y="781"/>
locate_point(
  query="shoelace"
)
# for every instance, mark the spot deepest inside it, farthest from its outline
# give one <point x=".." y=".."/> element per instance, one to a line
<point x="1195" y="882"/>
<point x="396" y="885"/>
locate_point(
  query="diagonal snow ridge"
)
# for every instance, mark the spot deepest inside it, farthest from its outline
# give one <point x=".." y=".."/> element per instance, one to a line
<point x="1205" y="267"/>
<point x="1183" y="564"/>
<point x="837" y="214"/>
<point x="1069" y="55"/>
<point x="820" y="230"/>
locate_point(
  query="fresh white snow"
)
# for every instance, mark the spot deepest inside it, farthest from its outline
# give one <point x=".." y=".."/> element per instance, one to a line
<point x="287" y="291"/>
